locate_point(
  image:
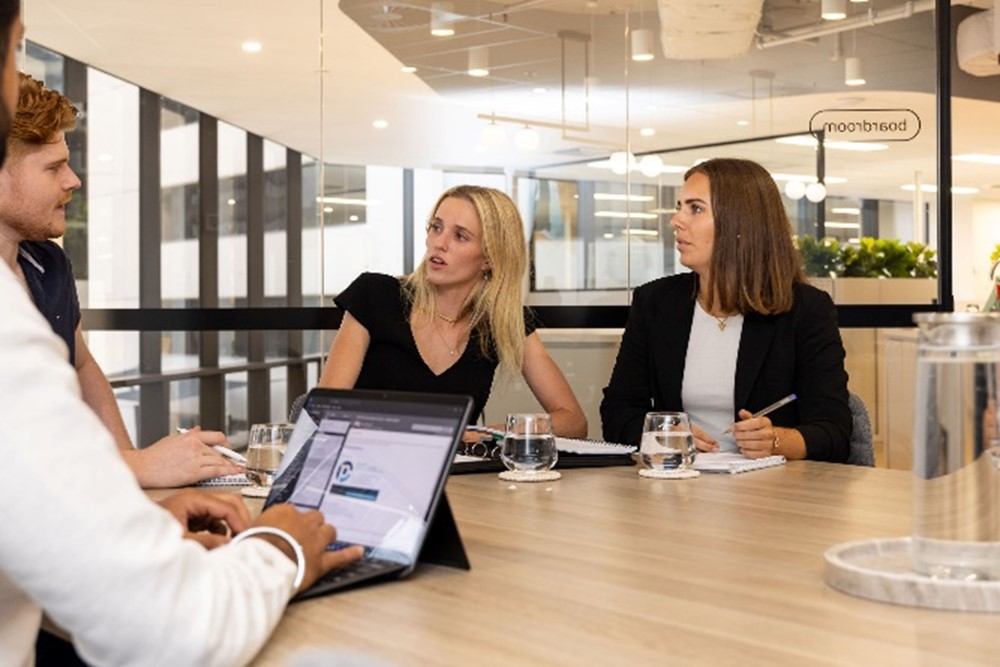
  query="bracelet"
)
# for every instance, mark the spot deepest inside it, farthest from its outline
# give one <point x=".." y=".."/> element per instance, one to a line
<point x="776" y="443"/>
<point x="300" y="557"/>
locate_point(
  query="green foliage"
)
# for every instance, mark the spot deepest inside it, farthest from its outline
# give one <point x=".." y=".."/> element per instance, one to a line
<point x="820" y="257"/>
<point x="871" y="258"/>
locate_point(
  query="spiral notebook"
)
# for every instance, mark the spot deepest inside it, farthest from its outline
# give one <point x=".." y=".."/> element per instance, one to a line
<point x="225" y="480"/>
<point x="733" y="463"/>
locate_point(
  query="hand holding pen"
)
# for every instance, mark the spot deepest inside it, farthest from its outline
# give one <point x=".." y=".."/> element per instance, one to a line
<point x="757" y="437"/>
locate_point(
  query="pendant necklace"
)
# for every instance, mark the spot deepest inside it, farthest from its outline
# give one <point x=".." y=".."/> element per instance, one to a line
<point x="451" y="350"/>
<point x="720" y="321"/>
<point x="449" y="320"/>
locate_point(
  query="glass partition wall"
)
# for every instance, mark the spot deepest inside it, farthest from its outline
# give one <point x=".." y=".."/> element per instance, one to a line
<point x="287" y="170"/>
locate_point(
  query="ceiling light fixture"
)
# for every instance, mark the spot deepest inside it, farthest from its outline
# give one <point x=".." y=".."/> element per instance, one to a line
<point x="621" y="215"/>
<point x="795" y="190"/>
<point x="442" y="23"/>
<point x="642" y="45"/>
<point x="835" y="224"/>
<point x="493" y="135"/>
<point x="807" y="179"/>
<point x="955" y="190"/>
<point x="380" y="124"/>
<point x="527" y="140"/>
<point x="650" y="166"/>
<point x="845" y="210"/>
<point x="252" y="46"/>
<point x="854" y="71"/>
<point x="815" y="192"/>
<point x="833" y="10"/>
<point x="807" y="140"/>
<point x="622" y="162"/>
<point x="408" y="69"/>
<point x="479" y="61"/>
<point x="647" y="131"/>
<point x="612" y="196"/>
<point x="982" y="158"/>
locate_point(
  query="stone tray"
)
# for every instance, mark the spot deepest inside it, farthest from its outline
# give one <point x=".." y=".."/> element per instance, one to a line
<point x="881" y="569"/>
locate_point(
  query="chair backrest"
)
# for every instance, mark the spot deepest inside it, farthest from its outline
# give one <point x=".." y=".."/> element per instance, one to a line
<point x="862" y="446"/>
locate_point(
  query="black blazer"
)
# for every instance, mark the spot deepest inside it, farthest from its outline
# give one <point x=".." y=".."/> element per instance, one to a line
<point x="797" y="352"/>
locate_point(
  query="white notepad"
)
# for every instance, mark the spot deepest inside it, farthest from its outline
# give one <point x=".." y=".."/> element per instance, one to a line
<point x="225" y="480"/>
<point x="733" y="462"/>
<point x="574" y="446"/>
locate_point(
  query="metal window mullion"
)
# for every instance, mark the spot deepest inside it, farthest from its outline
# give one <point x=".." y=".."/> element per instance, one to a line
<point x="212" y="388"/>
<point x="258" y="389"/>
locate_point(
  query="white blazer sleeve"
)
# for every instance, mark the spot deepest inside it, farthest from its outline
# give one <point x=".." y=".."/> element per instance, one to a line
<point x="81" y="540"/>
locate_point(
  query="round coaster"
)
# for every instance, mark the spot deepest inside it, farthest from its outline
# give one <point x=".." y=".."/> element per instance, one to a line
<point x="669" y="474"/>
<point x="255" y="491"/>
<point x="527" y="476"/>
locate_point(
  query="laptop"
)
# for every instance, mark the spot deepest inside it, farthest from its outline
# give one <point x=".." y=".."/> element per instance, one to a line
<point x="375" y="464"/>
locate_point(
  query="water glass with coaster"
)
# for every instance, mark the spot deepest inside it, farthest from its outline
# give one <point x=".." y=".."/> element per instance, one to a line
<point x="667" y="448"/>
<point x="529" y="449"/>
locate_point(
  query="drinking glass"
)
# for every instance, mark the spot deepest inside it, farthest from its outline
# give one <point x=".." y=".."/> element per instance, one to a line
<point x="266" y="446"/>
<point x="529" y="445"/>
<point x="667" y="442"/>
<point x="956" y="447"/>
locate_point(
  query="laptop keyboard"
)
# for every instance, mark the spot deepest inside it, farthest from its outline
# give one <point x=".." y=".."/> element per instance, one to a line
<point x="366" y="568"/>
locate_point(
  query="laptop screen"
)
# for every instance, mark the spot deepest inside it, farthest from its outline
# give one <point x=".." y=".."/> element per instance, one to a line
<point x="373" y="463"/>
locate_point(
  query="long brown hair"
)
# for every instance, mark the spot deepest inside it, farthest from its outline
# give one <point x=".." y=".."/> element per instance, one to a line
<point x="754" y="262"/>
<point x="496" y="303"/>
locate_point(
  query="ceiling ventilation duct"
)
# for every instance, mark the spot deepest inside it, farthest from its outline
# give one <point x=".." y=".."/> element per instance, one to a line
<point x="978" y="43"/>
<point x="701" y="29"/>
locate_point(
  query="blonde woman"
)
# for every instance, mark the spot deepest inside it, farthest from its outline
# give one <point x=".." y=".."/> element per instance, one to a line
<point x="449" y="325"/>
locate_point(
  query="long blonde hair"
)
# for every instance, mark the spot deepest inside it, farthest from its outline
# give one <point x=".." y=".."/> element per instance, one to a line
<point x="496" y="303"/>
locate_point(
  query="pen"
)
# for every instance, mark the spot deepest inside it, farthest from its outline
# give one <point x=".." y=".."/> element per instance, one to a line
<point x="769" y="409"/>
<point x="225" y="451"/>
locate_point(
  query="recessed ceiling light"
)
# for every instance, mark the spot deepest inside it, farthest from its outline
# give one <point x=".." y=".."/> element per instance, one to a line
<point x="328" y="209"/>
<point x="807" y="179"/>
<point x="846" y="210"/>
<point x="408" y="69"/>
<point x="380" y="124"/>
<point x="252" y="46"/>
<point x="982" y="158"/>
<point x="352" y="218"/>
<point x="539" y="91"/>
<point x="231" y="202"/>
<point x="742" y="123"/>
<point x="647" y="131"/>
<point x="621" y="215"/>
<point x="609" y="196"/>
<point x="806" y="140"/>
<point x="955" y="190"/>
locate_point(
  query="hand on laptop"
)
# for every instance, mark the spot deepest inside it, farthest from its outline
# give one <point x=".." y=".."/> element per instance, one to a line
<point x="209" y="519"/>
<point x="180" y="459"/>
<point x="314" y="535"/>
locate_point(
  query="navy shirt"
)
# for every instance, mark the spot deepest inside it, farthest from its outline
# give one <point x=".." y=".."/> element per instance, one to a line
<point x="50" y="279"/>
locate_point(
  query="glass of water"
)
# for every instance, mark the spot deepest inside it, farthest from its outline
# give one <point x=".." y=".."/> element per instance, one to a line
<point x="667" y="442"/>
<point x="266" y="446"/>
<point x="529" y="445"/>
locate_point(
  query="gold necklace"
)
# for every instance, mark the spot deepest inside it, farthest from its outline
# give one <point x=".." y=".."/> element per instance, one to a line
<point x="451" y="350"/>
<point x="721" y="321"/>
<point x="449" y="320"/>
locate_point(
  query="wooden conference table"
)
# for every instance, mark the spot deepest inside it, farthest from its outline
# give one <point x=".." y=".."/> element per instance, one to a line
<point x="606" y="568"/>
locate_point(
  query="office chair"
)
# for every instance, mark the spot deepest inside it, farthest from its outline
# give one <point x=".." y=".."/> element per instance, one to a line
<point x="862" y="448"/>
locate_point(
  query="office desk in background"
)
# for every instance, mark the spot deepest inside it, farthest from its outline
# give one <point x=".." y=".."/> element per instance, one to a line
<point x="606" y="568"/>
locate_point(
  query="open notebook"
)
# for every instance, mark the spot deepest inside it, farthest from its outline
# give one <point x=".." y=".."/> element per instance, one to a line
<point x="733" y="462"/>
